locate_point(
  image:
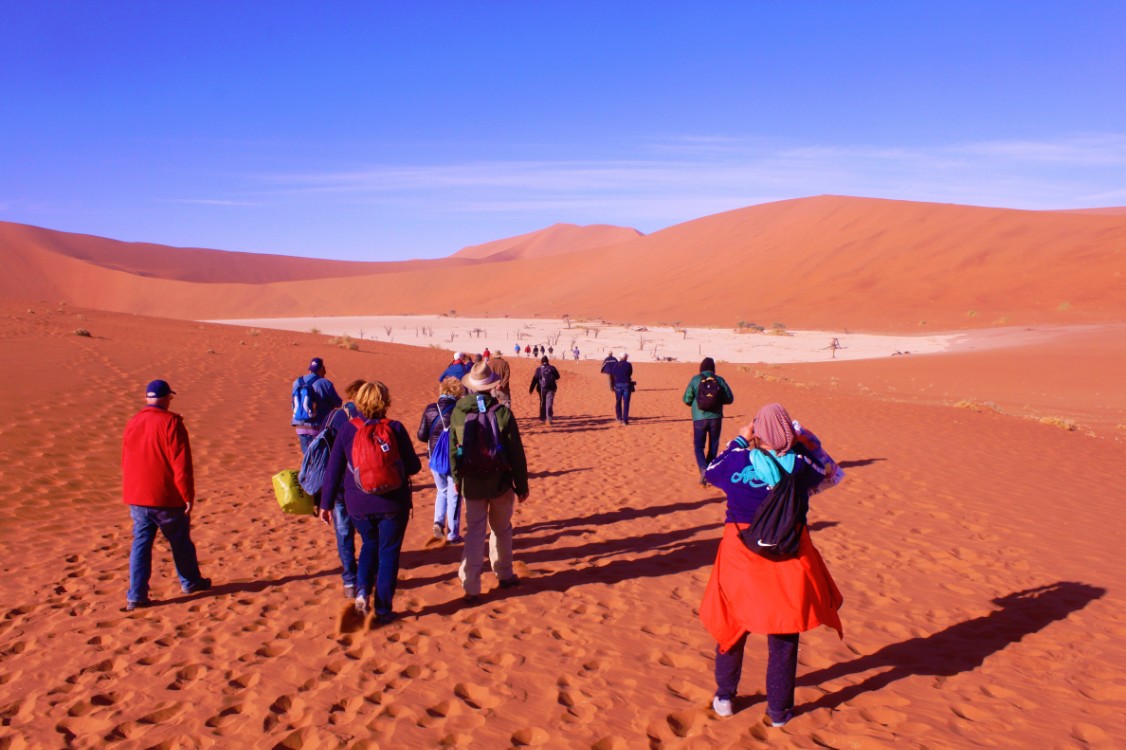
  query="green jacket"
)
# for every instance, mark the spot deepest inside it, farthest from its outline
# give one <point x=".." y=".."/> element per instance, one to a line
<point x="485" y="488"/>
<point x="726" y="396"/>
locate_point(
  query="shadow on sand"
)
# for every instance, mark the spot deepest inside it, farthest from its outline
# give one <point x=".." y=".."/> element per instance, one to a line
<point x="959" y="648"/>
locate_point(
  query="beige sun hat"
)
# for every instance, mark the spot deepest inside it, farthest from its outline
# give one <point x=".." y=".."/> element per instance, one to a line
<point x="481" y="378"/>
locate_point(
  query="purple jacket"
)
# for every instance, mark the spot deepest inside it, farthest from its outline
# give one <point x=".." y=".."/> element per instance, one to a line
<point x="745" y="475"/>
<point x="359" y="503"/>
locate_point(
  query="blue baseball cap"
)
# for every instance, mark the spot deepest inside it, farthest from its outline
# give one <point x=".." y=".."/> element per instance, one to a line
<point x="316" y="364"/>
<point x="159" y="389"/>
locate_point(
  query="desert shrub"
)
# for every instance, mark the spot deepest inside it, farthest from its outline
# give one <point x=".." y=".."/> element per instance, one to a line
<point x="314" y="330"/>
<point x="344" y="342"/>
<point x="1064" y="306"/>
<point x="971" y="313"/>
<point x="254" y="332"/>
<point x="81" y="332"/>
<point x="1063" y="424"/>
<point x="978" y="406"/>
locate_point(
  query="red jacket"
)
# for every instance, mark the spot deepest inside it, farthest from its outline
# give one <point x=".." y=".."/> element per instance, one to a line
<point x="156" y="460"/>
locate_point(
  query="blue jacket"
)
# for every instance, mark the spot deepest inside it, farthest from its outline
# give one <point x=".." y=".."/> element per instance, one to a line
<point x="621" y="373"/>
<point x="745" y="475"/>
<point x="457" y="369"/>
<point x="327" y="400"/>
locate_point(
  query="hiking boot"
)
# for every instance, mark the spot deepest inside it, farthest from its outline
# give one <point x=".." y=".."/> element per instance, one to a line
<point x="349" y="592"/>
<point x="386" y="618"/>
<point x="203" y="584"/>
<point x="722" y="707"/>
<point x="130" y="606"/>
<point x="439" y="532"/>
<point x="508" y="583"/>
<point x="361" y="605"/>
<point x="456" y="540"/>
<point x="471" y="599"/>
<point x="776" y="723"/>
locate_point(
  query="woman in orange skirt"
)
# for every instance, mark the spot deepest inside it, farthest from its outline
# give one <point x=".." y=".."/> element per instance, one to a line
<point x="748" y="593"/>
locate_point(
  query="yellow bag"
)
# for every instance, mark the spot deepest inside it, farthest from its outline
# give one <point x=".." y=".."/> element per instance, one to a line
<point x="291" y="497"/>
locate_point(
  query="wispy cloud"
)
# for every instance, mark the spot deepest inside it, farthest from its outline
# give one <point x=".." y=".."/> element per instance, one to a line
<point x="214" y="202"/>
<point x="692" y="176"/>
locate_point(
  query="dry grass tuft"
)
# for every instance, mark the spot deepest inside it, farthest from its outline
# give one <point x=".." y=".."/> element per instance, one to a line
<point x="1064" y="424"/>
<point x="978" y="406"/>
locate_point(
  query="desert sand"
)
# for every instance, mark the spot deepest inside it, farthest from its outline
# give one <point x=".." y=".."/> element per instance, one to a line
<point x="975" y="537"/>
<point x="976" y="551"/>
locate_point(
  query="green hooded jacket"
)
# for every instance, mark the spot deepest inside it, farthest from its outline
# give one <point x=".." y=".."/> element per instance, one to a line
<point x="726" y="396"/>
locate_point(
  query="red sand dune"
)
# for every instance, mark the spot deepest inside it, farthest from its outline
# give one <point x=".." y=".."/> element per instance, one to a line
<point x="827" y="262"/>
<point x="977" y="553"/>
<point x="555" y="240"/>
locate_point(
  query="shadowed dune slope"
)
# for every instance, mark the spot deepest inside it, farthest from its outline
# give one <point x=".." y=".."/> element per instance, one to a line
<point x="825" y="262"/>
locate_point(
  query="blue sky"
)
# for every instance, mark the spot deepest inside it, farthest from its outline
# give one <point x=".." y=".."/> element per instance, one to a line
<point x="386" y="130"/>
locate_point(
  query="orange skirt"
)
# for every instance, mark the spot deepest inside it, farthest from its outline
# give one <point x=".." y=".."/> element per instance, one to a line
<point x="750" y="594"/>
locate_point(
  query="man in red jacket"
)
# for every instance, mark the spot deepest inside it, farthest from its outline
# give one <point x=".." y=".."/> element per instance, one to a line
<point x="158" y="487"/>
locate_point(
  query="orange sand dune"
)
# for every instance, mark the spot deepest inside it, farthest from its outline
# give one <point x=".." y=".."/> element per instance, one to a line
<point x="976" y="552"/>
<point x="828" y="263"/>
<point x="557" y="239"/>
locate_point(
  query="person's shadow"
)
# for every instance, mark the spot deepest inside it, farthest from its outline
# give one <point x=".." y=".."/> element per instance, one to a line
<point x="958" y="648"/>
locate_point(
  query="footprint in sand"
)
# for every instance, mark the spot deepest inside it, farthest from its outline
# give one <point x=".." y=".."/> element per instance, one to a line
<point x="476" y="696"/>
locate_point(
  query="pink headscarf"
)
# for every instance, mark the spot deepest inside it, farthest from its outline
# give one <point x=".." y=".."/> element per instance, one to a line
<point x="774" y="427"/>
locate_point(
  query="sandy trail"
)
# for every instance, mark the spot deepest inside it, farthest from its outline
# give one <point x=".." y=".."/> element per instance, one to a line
<point x="976" y="553"/>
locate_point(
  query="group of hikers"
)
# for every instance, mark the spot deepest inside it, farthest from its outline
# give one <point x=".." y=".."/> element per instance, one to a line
<point x="768" y="577"/>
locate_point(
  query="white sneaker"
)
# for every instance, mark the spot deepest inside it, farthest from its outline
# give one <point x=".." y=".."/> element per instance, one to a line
<point x="722" y="707"/>
<point x="361" y="605"/>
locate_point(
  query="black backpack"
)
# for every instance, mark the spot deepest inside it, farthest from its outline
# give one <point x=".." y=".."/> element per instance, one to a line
<point x="481" y="453"/>
<point x="547" y="378"/>
<point x="709" y="394"/>
<point x="775" y="532"/>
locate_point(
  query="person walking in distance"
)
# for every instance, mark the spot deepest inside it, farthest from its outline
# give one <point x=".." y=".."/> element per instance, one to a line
<point x="158" y="485"/>
<point x="621" y="373"/>
<point x="436" y="422"/>
<point x="608" y="368"/>
<point x="707" y="394"/>
<point x="545" y="380"/>
<point x="503" y="391"/>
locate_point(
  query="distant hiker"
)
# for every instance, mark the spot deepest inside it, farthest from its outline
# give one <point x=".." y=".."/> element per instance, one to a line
<point x="456" y="368"/>
<point x="434" y="431"/>
<point x="491" y="472"/>
<point x="502" y="390"/>
<point x="621" y="375"/>
<point x="608" y="368"/>
<point x="751" y="593"/>
<point x="313" y="398"/>
<point x="373" y="460"/>
<point x="159" y="487"/>
<point x="545" y="380"/>
<point x="342" y="526"/>
<point x="487" y="354"/>
<point x="516" y="351"/>
<point x="527" y="350"/>
<point x="551" y="351"/>
<point x="536" y="350"/>
<point x="707" y="394"/>
<point x="575" y="352"/>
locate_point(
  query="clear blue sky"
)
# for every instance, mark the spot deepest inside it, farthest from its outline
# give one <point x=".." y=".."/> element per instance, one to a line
<point x="383" y="130"/>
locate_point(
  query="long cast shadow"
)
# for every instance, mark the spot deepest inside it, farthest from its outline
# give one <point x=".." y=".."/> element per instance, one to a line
<point x="244" y="587"/>
<point x="859" y="462"/>
<point x="959" y="648"/>
<point x="619" y="514"/>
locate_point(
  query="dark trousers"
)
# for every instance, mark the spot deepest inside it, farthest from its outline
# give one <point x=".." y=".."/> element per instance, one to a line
<point x="176" y="526"/>
<point x="781" y="671"/>
<point x="378" y="568"/>
<point x="621" y="403"/>
<point x="706" y="430"/>
<point x="547" y="405"/>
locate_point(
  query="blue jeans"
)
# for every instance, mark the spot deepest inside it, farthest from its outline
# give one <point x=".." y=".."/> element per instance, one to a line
<point x="345" y="541"/>
<point x="305" y="441"/>
<point x="382" y="535"/>
<point x="447" y="505"/>
<point x="621" y="402"/>
<point x="175" y="524"/>
<point x="781" y="671"/>
<point x="706" y="430"/>
<point x="547" y="405"/>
